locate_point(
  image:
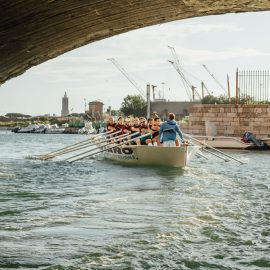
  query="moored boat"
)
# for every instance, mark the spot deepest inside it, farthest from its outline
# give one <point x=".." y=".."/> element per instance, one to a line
<point x="29" y="129"/>
<point x="54" y="129"/>
<point x="41" y="128"/>
<point x="225" y="142"/>
<point x="266" y="141"/>
<point x="152" y="155"/>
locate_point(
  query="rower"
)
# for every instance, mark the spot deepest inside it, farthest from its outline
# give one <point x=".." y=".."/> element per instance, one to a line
<point x="147" y="140"/>
<point x="119" y="125"/>
<point x="111" y="125"/>
<point x="150" y="122"/>
<point x="155" y="131"/>
<point x="142" y="121"/>
<point x="134" y="129"/>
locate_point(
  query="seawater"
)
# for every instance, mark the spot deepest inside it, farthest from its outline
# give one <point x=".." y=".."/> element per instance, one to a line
<point x="94" y="214"/>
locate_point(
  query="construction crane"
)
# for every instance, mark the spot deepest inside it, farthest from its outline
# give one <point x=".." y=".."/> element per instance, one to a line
<point x="204" y="87"/>
<point x="123" y="71"/>
<point x="212" y="75"/>
<point x="187" y="85"/>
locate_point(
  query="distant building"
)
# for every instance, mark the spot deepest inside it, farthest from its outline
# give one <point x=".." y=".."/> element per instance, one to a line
<point x="96" y="109"/>
<point x="65" y="110"/>
<point x="179" y="108"/>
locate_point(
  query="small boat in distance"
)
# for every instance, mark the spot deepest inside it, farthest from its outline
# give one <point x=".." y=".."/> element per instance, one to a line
<point x="55" y="129"/>
<point x="29" y="129"/>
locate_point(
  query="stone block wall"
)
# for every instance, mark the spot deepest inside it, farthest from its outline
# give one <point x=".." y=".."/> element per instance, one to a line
<point x="230" y="120"/>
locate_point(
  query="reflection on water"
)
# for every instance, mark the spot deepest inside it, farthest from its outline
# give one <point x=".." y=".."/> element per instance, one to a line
<point x="98" y="215"/>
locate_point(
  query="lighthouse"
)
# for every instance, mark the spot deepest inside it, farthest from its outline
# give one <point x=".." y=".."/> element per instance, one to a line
<point x="65" y="110"/>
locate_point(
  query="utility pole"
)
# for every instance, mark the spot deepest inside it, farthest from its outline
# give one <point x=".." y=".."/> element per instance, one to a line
<point x="202" y="90"/>
<point x="153" y="89"/>
<point x="236" y="88"/>
<point x="193" y="92"/>
<point x="163" y="83"/>
<point x="229" y="90"/>
<point x="148" y="100"/>
<point x="84" y="105"/>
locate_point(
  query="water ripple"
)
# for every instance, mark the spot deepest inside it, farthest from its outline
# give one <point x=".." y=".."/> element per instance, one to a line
<point x="98" y="215"/>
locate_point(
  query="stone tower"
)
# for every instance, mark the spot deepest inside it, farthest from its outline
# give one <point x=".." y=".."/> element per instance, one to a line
<point x="65" y="110"/>
<point x="96" y="109"/>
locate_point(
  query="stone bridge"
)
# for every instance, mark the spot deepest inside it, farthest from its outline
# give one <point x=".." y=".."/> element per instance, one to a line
<point x="33" y="31"/>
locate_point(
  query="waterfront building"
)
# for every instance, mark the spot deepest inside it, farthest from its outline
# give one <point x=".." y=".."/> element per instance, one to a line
<point x="180" y="108"/>
<point x="65" y="110"/>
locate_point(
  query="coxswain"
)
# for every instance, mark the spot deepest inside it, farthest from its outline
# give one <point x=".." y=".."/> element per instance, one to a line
<point x="168" y="132"/>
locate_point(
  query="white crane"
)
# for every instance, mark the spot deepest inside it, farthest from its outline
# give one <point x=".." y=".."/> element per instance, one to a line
<point x="190" y="89"/>
<point x="216" y="80"/>
<point x="123" y="71"/>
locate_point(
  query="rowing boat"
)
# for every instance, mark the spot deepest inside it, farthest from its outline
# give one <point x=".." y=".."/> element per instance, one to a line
<point x="119" y="148"/>
<point x="152" y="155"/>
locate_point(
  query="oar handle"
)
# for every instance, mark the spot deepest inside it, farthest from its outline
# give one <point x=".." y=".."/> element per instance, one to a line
<point x="126" y="135"/>
<point x="78" y="143"/>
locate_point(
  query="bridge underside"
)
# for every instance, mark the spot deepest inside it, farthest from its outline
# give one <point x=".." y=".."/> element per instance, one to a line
<point x="32" y="32"/>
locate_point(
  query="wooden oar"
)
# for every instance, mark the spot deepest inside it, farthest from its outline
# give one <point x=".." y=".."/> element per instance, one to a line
<point x="73" y="145"/>
<point x="85" y="145"/>
<point x="78" y="143"/>
<point x="202" y="155"/>
<point x="225" y="159"/>
<point x="78" y="147"/>
<point x="106" y="149"/>
<point x="213" y="148"/>
<point x="124" y="136"/>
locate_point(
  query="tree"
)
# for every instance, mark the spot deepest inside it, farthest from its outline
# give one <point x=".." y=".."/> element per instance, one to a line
<point x="115" y="112"/>
<point x="134" y="105"/>
<point x="17" y="115"/>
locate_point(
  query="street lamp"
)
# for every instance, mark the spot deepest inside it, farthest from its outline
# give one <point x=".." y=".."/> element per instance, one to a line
<point x="84" y="105"/>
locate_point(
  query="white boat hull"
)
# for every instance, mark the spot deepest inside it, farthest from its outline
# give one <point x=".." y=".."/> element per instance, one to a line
<point x="225" y="142"/>
<point x="152" y="155"/>
<point x="55" y="131"/>
<point x="266" y="141"/>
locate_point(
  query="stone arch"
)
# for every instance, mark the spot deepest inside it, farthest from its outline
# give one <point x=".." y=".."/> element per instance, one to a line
<point x="32" y="32"/>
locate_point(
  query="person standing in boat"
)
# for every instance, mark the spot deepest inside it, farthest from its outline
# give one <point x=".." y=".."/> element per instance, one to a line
<point x="168" y="132"/>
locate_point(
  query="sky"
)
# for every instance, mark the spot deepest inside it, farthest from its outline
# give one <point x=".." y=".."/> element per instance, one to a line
<point x="223" y="43"/>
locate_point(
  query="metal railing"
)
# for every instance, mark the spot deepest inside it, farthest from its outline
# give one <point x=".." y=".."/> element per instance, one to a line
<point x="253" y="87"/>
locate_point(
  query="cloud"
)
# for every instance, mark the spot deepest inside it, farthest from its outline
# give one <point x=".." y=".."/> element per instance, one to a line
<point x="136" y="51"/>
<point x="220" y="42"/>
